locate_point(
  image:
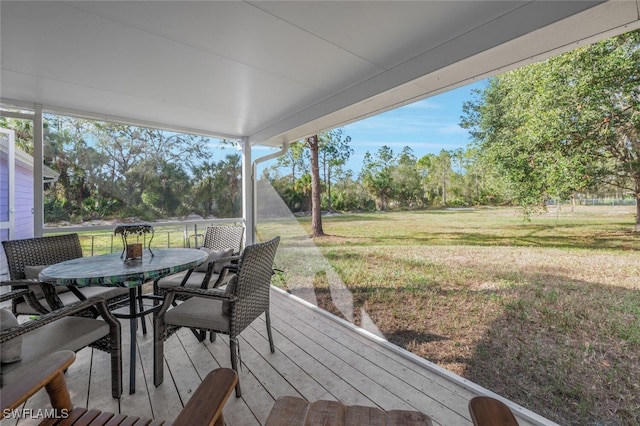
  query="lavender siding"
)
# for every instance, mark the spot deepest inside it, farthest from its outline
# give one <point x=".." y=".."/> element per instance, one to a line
<point x="4" y="208"/>
<point x="4" y="187"/>
<point x="23" y="218"/>
<point x="24" y="202"/>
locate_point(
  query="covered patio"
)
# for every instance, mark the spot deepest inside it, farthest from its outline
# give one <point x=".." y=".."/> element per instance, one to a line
<point x="266" y="74"/>
<point x="317" y="357"/>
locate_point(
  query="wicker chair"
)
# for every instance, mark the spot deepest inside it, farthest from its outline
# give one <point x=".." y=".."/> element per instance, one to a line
<point x="203" y="408"/>
<point x="62" y="330"/>
<point x="35" y="253"/>
<point x="227" y="311"/>
<point x="218" y="271"/>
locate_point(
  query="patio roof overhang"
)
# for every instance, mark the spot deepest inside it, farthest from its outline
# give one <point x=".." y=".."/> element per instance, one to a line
<point x="272" y="72"/>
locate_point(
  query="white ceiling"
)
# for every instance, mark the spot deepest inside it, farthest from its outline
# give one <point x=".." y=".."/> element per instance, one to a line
<point x="275" y="71"/>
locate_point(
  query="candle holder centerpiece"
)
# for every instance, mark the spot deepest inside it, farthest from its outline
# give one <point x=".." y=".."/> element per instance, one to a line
<point x="132" y="251"/>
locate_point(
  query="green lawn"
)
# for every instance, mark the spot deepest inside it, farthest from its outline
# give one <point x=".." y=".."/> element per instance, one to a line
<point x="545" y="312"/>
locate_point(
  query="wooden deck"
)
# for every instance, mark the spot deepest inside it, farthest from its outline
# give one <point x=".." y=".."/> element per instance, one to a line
<point x="317" y="357"/>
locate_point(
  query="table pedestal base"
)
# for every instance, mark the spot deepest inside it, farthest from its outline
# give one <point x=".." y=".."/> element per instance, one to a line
<point x="137" y="309"/>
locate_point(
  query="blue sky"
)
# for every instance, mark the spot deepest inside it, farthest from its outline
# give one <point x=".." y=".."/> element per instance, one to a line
<point x="427" y="126"/>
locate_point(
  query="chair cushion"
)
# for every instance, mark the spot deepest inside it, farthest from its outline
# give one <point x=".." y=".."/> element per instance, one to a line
<point x="31" y="272"/>
<point x="68" y="333"/>
<point x="194" y="281"/>
<point x="213" y="256"/>
<point x="98" y="291"/>
<point x="11" y="350"/>
<point x="201" y="313"/>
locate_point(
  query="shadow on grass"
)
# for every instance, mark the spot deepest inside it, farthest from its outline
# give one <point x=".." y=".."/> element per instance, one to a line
<point x="410" y="336"/>
<point x="568" y="351"/>
<point x="565" y="349"/>
<point x="623" y="240"/>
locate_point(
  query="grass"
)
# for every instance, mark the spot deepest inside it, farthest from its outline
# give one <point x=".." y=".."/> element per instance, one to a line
<point x="95" y="242"/>
<point x="545" y="312"/>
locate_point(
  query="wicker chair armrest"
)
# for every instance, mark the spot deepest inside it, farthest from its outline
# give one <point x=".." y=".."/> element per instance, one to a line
<point x="226" y="269"/>
<point x="211" y="293"/>
<point x="227" y="259"/>
<point x="28" y="295"/>
<point x="233" y="267"/>
<point x="232" y="260"/>
<point x="14" y="294"/>
<point x="48" y="372"/>
<point x="228" y="262"/>
<point x="19" y="283"/>
<point x="68" y="310"/>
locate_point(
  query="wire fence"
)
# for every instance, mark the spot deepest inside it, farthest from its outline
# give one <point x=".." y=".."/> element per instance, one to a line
<point x="627" y="201"/>
<point x="101" y="239"/>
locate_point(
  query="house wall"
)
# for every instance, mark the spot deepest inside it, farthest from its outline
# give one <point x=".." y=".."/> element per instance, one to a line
<point x="24" y="202"/>
<point x="4" y="207"/>
<point x="23" y="219"/>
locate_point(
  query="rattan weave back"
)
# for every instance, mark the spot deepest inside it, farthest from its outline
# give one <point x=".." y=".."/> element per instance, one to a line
<point x="253" y="284"/>
<point x="223" y="237"/>
<point x="40" y="251"/>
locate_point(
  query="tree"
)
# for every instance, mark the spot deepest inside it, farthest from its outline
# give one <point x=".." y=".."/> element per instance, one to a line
<point x="134" y="153"/>
<point x="23" y="132"/>
<point x="313" y="143"/>
<point x="77" y="189"/>
<point x="204" y="187"/>
<point x="228" y="192"/>
<point x="293" y="159"/>
<point x="296" y="187"/>
<point x="217" y="189"/>
<point x="437" y="175"/>
<point x="376" y="176"/>
<point x="334" y="151"/>
<point x="561" y="126"/>
<point x="407" y="187"/>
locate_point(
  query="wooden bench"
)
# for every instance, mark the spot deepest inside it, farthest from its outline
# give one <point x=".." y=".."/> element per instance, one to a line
<point x="293" y="411"/>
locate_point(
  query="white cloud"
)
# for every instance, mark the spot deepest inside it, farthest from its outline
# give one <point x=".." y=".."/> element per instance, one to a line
<point x="452" y="129"/>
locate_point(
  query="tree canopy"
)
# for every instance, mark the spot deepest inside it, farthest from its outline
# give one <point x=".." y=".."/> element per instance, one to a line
<point x="565" y="125"/>
<point x="111" y="170"/>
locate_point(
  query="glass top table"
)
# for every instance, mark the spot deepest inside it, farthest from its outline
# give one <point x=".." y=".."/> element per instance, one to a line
<point x="111" y="271"/>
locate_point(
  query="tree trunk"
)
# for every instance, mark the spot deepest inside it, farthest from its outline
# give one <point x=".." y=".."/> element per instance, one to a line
<point x="444" y="189"/>
<point x="316" y="208"/>
<point x="329" y="189"/>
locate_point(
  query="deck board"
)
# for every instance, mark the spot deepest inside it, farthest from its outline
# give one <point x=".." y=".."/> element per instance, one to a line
<point x="317" y="357"/>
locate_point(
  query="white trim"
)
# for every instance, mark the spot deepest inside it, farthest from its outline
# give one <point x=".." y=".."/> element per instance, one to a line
<point x="38" y="182"/>
<point x="248" y="204"/>
<point x="421" y="77"/>
<point x="11" y="187"/>
<point x="461" y="381"/>
<point x="88" y="115"/>
<point x="254" y="181"/>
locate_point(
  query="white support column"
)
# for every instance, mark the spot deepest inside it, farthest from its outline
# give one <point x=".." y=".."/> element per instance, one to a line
<point x="248" y="194"/>
<point x="38" y="178"/>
